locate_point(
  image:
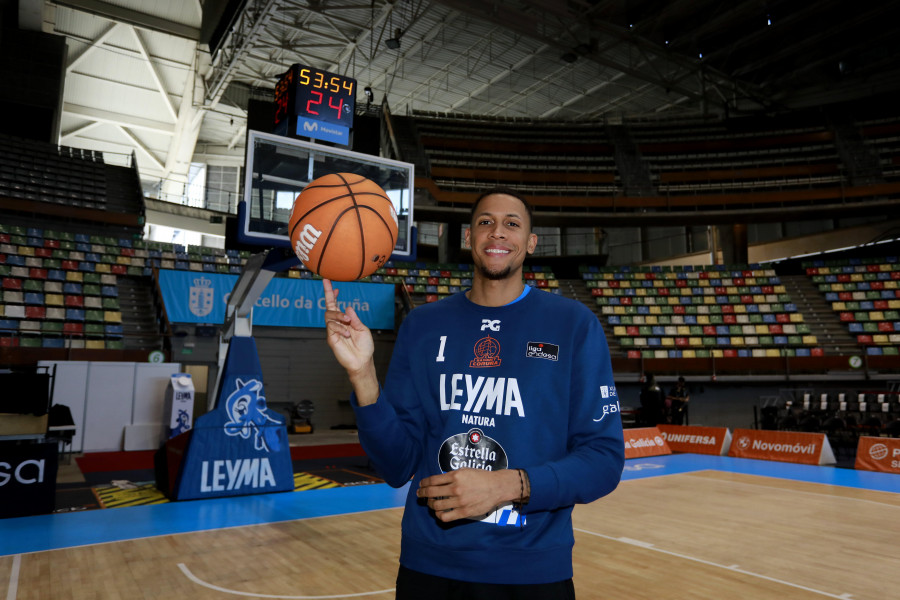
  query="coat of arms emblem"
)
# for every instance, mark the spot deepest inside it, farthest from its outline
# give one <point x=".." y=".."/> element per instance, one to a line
<point x="201" y="301"/>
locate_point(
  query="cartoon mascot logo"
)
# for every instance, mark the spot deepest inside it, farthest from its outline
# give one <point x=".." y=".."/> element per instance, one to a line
<point x="246" y="407"/>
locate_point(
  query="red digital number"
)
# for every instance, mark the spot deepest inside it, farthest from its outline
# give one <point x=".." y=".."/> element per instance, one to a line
<point x="280" y="107"/>
<point x="312" y="102"/>
<point x="338" y="107"/>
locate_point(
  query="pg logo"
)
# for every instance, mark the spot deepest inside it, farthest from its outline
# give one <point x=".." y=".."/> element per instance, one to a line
<point x="490" y="324"/>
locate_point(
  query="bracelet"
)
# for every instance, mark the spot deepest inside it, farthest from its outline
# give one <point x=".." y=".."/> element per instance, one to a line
<point x="523" y="496"/>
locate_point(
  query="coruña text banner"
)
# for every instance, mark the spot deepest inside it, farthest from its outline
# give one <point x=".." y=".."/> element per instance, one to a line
<point x="197" y="297"/>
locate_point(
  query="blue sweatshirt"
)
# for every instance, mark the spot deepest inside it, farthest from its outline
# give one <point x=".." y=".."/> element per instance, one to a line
<point x="528" y="385"/>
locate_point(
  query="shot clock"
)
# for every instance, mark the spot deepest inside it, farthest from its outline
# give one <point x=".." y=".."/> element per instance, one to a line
<point x="313" y="103"/>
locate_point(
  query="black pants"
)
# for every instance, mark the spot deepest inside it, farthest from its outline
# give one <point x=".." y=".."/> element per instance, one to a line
<point x="412" y="585"/>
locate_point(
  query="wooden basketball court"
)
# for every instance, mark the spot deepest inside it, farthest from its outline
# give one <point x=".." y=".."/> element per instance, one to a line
<point x="677" y="527"/>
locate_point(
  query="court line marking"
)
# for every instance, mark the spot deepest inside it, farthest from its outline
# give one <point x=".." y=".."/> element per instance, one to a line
<point x="198" y="581"/>
<point x="13" y="588"/>
<point x="732" y="568"/>
<point x="806" y="492"/>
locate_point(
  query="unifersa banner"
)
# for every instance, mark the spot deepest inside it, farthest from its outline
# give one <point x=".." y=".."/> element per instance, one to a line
<point x="197" y="297"/>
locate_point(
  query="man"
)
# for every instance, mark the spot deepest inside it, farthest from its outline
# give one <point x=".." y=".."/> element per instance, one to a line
<point x="653" y="403"/>
<point x="678" y="397"/>
<point x="500" y="405"/>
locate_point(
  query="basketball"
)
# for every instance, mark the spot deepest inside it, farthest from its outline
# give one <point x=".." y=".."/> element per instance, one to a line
<point x="343" y="226"/>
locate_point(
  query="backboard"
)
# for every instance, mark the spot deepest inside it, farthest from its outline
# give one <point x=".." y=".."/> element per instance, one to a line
<point x="278" y="168"/>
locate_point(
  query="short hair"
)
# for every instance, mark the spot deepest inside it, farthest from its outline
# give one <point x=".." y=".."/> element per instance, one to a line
<point x="509" y="192"/>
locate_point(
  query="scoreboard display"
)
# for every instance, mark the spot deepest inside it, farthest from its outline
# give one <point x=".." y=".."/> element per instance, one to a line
<point x="313" y="103"/>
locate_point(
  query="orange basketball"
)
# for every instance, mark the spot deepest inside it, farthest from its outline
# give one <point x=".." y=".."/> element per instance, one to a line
<point x="343" y="226"/>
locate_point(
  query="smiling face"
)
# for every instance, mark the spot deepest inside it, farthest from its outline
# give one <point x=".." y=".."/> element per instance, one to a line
<point x="500" y="237"/>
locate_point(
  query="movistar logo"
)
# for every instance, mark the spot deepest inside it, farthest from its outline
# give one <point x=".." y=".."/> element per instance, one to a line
<point x="310" y="126"/>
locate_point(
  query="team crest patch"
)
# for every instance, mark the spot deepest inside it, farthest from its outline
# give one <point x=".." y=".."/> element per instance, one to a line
<point x="487" y="353"/>
<point x="542" y="350"/>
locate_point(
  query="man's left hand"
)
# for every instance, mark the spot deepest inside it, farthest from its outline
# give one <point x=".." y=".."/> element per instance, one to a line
<point x="469" y="493"/>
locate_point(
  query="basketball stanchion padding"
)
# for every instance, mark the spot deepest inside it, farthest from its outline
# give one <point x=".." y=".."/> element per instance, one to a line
<point x="343" y="226"/>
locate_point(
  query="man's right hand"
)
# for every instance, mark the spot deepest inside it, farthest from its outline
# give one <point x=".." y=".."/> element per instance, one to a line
<point x="353" y="346"/>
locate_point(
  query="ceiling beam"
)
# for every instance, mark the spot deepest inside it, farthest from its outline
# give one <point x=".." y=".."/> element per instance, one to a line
<point x="142" y="147"/>
<point x="120" y="14"/>
<point x="79" y="130"/>
<point x="151" y="67"/>
<point x="106" y="116"/>
<point x="94" y="44"/>
<point x="243" y="36"/>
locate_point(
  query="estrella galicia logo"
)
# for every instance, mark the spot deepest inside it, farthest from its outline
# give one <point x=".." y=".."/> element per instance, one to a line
<point x="201" y="299"/>
<point x="475" y="450"/>
<point x="542" y="350"/>
<point x="472" y="450"/>
<point x="249" y="416"/>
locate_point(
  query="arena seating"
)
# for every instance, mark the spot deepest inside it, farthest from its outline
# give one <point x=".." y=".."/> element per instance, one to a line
<point x="865" y="294"/>
<point x="699" y="157"/>
<point x="686" y="165"/>
<point x="882" y="135"/>
<point x="476" y="154"/>
<point x="700" y="312"/>
<point x="60" y="289"/>
<point x="843" y="415"/>
<point x="31" y="170"/>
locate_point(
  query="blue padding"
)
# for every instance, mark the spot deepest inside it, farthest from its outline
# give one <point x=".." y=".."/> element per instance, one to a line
<point x="240" y="447"/>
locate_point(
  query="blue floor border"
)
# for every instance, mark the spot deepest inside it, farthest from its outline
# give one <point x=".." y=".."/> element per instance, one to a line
<point x="66" y="530"/>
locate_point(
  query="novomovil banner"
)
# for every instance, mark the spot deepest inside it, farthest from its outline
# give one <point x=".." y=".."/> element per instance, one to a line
<point x="196" y="297"/>
<point x="783" y="446"/>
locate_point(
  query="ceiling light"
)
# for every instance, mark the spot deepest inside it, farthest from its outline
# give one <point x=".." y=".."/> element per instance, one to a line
<point x="394" y="42"/>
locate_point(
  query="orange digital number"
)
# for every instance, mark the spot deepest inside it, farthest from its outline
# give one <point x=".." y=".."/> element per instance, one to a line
<point x="348" y="85"/>
<point x="320" y="79"/>
<point x="304" y="76"/>
<point x="334" y="84"/>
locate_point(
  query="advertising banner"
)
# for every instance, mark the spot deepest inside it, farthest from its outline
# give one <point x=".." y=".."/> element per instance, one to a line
<point x="645" y="441"/>
<point x="240" y="447"/>
<point x="27" y="478"/>
<point x="782" y="446"/>
<point x="878" y="454"/>
<point x="195" y="297"/>
<point x="696" y="440"/>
